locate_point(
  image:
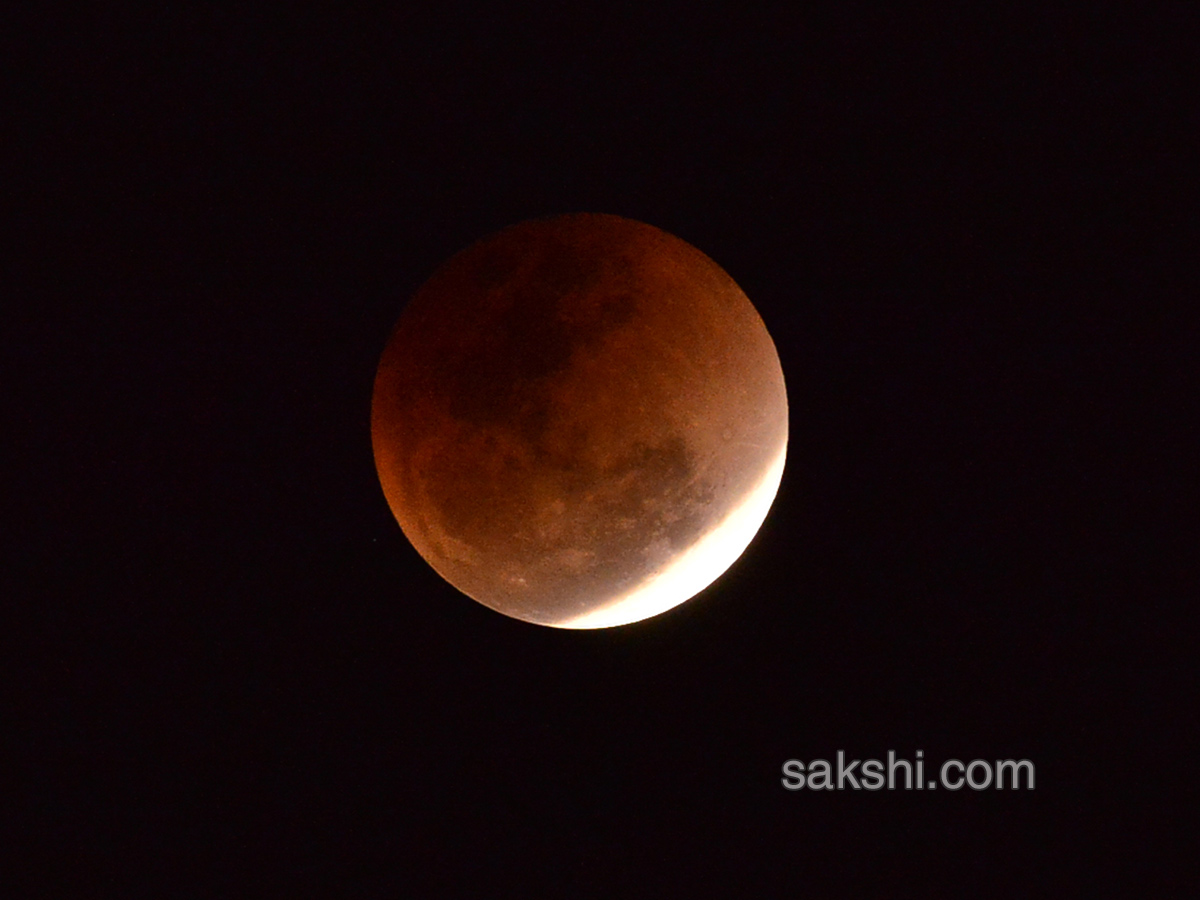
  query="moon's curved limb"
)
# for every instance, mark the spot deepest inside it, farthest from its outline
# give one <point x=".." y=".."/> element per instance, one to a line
<point x="698" y="567"/>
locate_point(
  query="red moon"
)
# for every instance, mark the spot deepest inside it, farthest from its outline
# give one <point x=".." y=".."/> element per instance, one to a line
<point x="580" y="421"/>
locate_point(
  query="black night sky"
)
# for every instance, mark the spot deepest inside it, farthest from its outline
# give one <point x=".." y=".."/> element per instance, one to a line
<point x="966" y="237"/>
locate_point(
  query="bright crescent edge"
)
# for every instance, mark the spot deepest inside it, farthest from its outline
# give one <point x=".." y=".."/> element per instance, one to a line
<point x="702" y="564"/>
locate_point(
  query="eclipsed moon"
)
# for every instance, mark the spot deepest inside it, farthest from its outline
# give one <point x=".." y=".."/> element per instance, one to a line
<point x="580" y="421"/>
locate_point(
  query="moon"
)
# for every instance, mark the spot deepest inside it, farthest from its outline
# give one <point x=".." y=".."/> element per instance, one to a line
<point x="580" y="421"/>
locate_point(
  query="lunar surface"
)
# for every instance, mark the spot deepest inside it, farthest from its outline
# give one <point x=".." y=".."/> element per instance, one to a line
<point x="580" y="421"/>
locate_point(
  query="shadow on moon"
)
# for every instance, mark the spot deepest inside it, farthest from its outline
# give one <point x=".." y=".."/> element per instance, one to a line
<point x="567" y="408"/>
